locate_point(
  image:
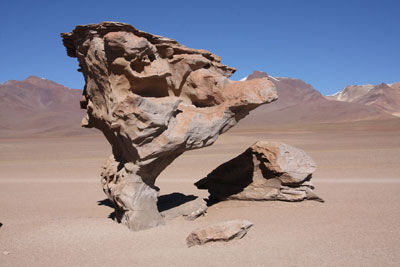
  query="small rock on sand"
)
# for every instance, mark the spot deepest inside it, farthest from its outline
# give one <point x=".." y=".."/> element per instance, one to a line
<point x="225" y="231"/>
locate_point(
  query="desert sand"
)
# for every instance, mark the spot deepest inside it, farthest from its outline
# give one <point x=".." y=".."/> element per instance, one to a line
<point x="53" y="211"/>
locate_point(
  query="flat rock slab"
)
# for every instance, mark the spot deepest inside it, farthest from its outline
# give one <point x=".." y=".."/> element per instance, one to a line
<point x="225" y="231"/>
<point x="190" y="210"/>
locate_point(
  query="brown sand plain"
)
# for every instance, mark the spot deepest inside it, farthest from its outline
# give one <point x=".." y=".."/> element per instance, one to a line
<point x="52" y="214"/>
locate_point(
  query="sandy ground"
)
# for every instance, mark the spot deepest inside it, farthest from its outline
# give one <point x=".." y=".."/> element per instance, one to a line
<point x="51" y="215"/>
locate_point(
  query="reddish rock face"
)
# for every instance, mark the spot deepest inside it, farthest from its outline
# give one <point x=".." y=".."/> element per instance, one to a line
<point x="153" y="99"/>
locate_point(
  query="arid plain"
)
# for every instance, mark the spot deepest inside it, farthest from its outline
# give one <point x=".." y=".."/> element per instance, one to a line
<point x="212" y="133"/>
<point x="53" y="213"/>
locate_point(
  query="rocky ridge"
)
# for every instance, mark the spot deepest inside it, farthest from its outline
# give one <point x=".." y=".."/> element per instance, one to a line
<point x="384" y="96"/>
<point x="300" y="104"/>
<point x="39" y="107"/>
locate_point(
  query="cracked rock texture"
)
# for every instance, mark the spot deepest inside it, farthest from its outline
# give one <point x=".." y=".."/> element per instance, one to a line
<point x="265" y="171"/>
<point x="153" y="99"/>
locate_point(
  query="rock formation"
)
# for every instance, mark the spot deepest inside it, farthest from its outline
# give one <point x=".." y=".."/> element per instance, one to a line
<point x="224" y="231"/>
<point x="265" y="171"/>
<point x="153" y="99"/>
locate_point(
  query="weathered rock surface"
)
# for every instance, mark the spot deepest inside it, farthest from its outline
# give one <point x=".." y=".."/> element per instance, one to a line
<point x="265" y="171"/>
<point x="225" y="231"/>
<point x="153" y="99"/>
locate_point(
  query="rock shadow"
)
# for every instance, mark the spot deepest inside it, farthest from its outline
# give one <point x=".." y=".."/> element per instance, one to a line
<point x="228" y="179"/>
<point x="166" y="202"/>
<point x="108" y="203"/>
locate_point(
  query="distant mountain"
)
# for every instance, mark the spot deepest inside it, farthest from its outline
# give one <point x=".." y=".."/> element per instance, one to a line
<point x="299" y="103"/>
<point x="383" y="96"/>
<point x="39" y="107"/>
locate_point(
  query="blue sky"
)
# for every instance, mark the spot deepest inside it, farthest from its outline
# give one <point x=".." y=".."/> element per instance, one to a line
<point x="329" y="44"/>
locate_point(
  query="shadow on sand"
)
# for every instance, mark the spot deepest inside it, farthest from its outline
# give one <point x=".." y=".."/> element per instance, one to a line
<point x="108" y="203"/>
<point x="165" y="202"/>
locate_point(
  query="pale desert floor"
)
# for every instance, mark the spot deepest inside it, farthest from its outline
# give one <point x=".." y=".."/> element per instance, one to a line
<point x="51" y="216"/>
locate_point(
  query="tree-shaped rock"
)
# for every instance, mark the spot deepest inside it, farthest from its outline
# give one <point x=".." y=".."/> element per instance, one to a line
<point x="153" y="99"/>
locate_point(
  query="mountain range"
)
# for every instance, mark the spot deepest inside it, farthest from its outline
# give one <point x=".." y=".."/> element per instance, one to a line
<point x="40" y="107"/>
<point x="300" y="103"/>
<point x="383" y="96"/>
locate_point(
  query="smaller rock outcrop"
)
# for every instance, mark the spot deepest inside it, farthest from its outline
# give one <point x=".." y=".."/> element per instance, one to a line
<point x="225" y="231"/>
<point x="265" y="171"/>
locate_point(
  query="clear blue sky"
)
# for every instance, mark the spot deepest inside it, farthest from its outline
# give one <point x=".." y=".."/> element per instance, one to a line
<point x="329" y="44"/>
